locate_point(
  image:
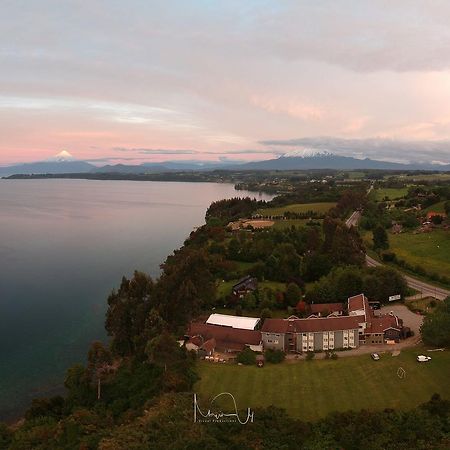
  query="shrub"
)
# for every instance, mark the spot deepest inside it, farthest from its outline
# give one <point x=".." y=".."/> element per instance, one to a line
<point x="274" y="356"/>
<point x="310" y="356"/>
<point x="388" y="256"/>
<point x="247" y="357"/>
<point x="334" y="355"/>
<point x="420" y="270"/>
<point x="41" y="407"/>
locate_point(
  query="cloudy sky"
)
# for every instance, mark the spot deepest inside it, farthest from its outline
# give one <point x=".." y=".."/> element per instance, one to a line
<point x="248" y="79"/>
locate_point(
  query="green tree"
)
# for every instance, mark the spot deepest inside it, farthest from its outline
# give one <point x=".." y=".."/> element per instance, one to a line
<point x="343" y="246"/>
<point x="380" y="238"/>
<point x="347" y="282"/>
<point x="234" y="248"/>
<point x="99" y="364"/>
<point x="315" y="265"/>
<point x="293" y="294"/>
<point x="266" y="313"/>
<point x="127" y="312"/>
<point x="249" y="301"/>
<point x="77" y="382"/>
<point x="381" y="282"/>
<point x="435" y="329"/>
<point x="163" y="350"/>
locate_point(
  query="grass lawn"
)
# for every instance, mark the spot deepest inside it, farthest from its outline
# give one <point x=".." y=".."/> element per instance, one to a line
<point x="391" y="193"/>
<point x="310" y="390"/>
<point x="224" y="287"/>
<point x="429" y="250"/>
<point x="283" y="224"/>
<point x="297" y="208"/>
<point x="356" y="175"/>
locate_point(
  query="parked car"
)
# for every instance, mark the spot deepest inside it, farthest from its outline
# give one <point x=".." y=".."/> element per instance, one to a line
<point x="375" y="356"/>
<point x="423" y="358"/>
<point x="375" y="305"/>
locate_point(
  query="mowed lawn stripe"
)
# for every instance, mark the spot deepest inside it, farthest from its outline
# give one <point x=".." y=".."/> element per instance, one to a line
<point x="311" y="389"/>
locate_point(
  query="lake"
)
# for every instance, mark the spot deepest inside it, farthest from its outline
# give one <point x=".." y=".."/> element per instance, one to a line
<point x="64" y="245"/>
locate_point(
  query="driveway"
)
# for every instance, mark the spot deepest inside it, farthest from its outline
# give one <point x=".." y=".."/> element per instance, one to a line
<point x="410" y="319"/>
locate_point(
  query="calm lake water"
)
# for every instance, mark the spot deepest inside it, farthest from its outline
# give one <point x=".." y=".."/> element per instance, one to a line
<point x="64" y="244"/>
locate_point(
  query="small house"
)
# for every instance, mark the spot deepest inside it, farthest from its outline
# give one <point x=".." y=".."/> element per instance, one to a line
<point x="244" y="286"/>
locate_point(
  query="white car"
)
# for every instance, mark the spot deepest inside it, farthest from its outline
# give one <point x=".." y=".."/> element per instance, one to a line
<point x="375" y="356"/>
<point x="423" y="358"/>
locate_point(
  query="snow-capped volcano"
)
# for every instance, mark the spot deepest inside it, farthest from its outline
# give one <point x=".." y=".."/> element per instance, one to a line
<point x="63" y="162"/>
<point x="62" y="156"/>
<point x="306" y="153"/>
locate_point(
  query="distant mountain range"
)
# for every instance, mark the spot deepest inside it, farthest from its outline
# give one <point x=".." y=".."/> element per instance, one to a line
<point x="325" y="160"/>
<point x="48" y="167"/>
<point x="65" y="163"/>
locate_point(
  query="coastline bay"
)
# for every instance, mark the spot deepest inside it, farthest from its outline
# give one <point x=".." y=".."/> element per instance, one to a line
<point x="64" y="245"/>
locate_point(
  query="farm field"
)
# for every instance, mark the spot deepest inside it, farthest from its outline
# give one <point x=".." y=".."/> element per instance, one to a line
<point x="309" y="390"/>
<point x="429" y="250"/>
<point x="430" y="177"/>
<point x="297" y="208"/>
<point x="356" y="175"/>
<point x="391" y="193"/>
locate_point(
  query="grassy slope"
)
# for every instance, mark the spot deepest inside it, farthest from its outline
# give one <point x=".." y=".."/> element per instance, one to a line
<point x="311" y="389"/>
<point x="298" y="208"/>
<point x="430" y="250"/>
<point x="417" y="249"/>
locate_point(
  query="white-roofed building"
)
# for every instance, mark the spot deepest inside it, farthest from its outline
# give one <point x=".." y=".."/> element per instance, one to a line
<point x="238" y="322"/>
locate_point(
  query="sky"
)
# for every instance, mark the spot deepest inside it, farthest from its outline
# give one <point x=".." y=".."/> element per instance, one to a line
<point x="139" y="81"/>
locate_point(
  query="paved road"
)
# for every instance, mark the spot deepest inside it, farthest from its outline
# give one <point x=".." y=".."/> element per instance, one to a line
<point x="425" y="288"/>
<point x="353" y="220"/>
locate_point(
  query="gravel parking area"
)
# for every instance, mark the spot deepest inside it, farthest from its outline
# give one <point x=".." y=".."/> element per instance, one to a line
<point x="410" y="319"/>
